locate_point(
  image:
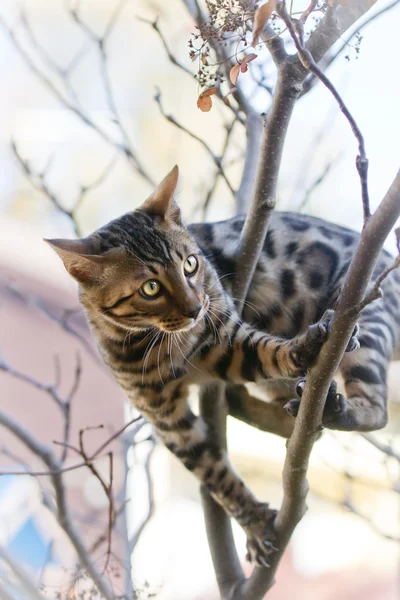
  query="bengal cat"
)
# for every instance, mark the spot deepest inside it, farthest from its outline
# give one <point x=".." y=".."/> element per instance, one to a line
<point x="158" y="299"/>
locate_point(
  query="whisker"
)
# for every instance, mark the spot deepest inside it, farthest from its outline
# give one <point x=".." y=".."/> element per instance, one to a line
<point x="151" y="345"/>
<point x="222" y="323"/>
<point x="246" y="302"/>
<point x="158" y="357"/>
<point x="180" y="350"/>
<point x="216" y="332"/>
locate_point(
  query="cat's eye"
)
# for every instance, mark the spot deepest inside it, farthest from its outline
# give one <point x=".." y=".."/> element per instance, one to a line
<point x="190" y="265"/>
<point x="151" y="288"/>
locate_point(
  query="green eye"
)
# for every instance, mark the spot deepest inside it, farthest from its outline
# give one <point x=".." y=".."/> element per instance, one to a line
<point x="151" y="288"/>
<point x="190" y="265"/>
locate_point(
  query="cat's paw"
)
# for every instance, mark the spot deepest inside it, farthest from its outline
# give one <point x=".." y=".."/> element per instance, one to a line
<point x="260" y="534"/>
<point x="335" y="404"/>
<point x="306" y="346"/>
<point x="354" y="343"/>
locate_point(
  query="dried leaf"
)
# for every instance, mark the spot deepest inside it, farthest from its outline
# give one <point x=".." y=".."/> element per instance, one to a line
<point x="204" y="59"/>
<point x="204" y="102"/>
<point x="261" y="18"/>
<point x="209" y="92"/>
<point x="248" y="58"/>
<point x="234" y="73"/>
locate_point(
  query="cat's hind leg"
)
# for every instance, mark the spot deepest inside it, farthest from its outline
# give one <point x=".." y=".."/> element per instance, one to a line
<point x="364" y="371"/>
<point x="193" y="442"/>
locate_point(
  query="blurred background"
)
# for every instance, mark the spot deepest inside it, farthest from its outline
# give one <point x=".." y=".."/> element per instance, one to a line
<point x="83" y="140"/>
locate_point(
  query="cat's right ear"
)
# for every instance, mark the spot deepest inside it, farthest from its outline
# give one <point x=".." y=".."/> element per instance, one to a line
<point x="161" y="202"/>
<point x="80" y="260"/>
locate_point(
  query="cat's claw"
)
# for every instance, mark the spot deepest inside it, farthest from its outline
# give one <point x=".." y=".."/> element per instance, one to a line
<point x="334" y="406"/>
<point x="353" y="344"/>
<point x="306" y="346"/>
<point x="259" y="535"/>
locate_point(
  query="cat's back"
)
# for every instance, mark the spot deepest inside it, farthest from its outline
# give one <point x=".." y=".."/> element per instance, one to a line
<point x="300" y="270"/>
<point x="293" y="240"/>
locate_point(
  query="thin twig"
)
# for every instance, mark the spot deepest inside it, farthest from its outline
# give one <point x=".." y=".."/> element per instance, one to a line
<point x="150" y="500"/>
<point x="296" y="31"/>
<point x="54" y="469"/>
<point x="216" y="159"/>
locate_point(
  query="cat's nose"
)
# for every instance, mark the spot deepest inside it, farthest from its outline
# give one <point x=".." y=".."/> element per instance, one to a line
<point x="192" y="311"/>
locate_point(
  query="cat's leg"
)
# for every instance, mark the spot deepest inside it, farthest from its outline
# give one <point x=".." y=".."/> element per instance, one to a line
<point x="364" y="372"/>
<point x="268" y="414"/>
<point x="193" y="443"/>
<point x="254" y="354"/>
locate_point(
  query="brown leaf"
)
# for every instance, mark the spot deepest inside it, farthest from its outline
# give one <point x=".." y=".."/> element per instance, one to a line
<point x="234" y="73"/>
<point x="209" y="92"/>
<point x="248" y="58"/>
<point x="204" y="104"/>
<point x="261" y="18"/>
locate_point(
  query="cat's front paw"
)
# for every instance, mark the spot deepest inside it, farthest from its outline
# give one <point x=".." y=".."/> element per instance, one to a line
<point x="260" y="534"/>
<point x="306" y="346"/>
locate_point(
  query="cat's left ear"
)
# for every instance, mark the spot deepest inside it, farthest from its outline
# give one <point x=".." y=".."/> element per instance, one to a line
<point x="81" y="259"/>
<point x="161" y="202"/>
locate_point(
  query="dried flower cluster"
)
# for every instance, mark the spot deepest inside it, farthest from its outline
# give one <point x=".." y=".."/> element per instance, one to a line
<point x="228" y="23"/>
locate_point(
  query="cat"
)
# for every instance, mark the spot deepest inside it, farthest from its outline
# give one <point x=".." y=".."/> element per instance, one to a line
<point x="158" y="299"/>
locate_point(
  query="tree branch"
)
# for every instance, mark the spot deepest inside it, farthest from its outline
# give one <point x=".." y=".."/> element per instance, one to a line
<point x="22" y="575"/>
<point x="297" y="33"/>
<point x="216" y="159"/>
<point x="219" y="531"/>
<point x="71" y="103"/>
<point x="309" y="419"/>
<point x="255" y="228"/>
<point x="63" y="516"/>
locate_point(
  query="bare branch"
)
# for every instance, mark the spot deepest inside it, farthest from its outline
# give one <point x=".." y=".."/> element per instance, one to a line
<point x="154" y="24"/>
<point x="330" y="58"/>
<point x="22" y="575"/>
<point x="63" y="516"/>
<point x="216" y="159"/>
<point x="307" y="60"/>
<point x="309" y="420"/>
<point x="263" y="202"/>
<point x="226" y="563"/>
<point x="39" y="183"/>
<point x="150" y="499"/>
<point x="384" y="448"/>
<point x="71" y="103"/>
<point x="62" y="321"/>
<point x="375" y="293"/>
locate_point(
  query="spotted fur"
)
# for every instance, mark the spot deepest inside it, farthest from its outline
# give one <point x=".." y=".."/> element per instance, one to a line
<point x="191" y="333"/>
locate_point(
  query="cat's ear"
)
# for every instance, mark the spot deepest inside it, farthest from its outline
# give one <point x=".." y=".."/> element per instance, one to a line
<point x="80" y="259"/>
<point x="161" y="202"/>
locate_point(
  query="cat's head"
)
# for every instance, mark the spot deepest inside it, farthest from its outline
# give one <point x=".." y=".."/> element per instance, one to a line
<point x="143" y="269"/>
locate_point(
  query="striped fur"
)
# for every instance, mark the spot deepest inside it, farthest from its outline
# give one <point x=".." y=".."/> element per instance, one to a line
<point x="191" y="333"/>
